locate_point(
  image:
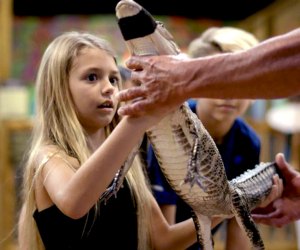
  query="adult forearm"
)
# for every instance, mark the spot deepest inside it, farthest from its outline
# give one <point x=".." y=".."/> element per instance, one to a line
<point x="269" y="70"/>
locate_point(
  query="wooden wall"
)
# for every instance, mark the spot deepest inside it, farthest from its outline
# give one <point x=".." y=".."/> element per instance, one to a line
<point x="278" y="18"/>
<point x="5" y="38"/>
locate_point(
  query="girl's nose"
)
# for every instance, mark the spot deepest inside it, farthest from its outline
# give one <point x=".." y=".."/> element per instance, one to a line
<point x="108" y="88"/>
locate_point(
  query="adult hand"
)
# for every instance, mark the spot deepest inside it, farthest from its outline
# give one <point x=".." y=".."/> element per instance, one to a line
<point x="286" y="209"/>
<point x="159" y="85"/>
<point x="276" y="192"/>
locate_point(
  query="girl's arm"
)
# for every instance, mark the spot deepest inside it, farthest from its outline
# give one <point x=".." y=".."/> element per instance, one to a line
<point x="74" y="193"/>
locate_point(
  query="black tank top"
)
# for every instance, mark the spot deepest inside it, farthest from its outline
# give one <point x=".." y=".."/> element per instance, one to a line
<point x="115" y="227"/>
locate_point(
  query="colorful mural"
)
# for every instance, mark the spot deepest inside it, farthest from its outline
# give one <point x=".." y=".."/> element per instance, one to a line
<point x="33" y="34"/>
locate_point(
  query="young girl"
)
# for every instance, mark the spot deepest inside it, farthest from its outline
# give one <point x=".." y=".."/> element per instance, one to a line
<point x="79" y="143"/>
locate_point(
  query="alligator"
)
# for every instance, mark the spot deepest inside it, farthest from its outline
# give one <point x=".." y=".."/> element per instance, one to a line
<point x="186" y="152"/>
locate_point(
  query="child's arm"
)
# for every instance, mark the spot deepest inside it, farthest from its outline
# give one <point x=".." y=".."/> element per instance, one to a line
<point x="74" y="193"/>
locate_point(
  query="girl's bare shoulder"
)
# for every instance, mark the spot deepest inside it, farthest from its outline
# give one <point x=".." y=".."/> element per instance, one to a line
<point x="52" y="153"/>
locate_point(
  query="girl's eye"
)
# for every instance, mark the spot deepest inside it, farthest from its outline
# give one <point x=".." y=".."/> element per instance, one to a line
<point x="114" y="81"/>
<point x="92" y="77"/>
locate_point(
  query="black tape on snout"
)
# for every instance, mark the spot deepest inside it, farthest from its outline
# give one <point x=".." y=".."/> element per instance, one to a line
<point x="139" y="25"/>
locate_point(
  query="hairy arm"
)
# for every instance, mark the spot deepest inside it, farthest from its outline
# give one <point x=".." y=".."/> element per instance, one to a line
<point x="269" y="70"/>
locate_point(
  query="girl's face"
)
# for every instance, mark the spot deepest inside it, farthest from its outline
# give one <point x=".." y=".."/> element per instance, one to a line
<point x="93" y="82"/>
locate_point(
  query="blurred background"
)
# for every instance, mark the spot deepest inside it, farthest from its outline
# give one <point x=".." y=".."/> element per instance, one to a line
<point x="27" y="27"/>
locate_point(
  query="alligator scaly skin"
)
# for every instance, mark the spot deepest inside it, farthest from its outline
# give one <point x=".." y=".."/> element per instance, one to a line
<point x="186" y="152"/>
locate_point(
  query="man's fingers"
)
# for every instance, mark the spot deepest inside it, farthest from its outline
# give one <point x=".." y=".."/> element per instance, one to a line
<point x="273" y="214"/>
<point x="280" y="160"/>
<point x="287" y="171"/>
<point x="135" y="63"/>
<point x="278" y="186"/>
<point x="135" y="109"/>
<point x="130" y="94"/>
<point x="276" y="191"/>
<point x="277" y="222"/>
<point x="274" y="218"/>
<point x="282" y="163"/>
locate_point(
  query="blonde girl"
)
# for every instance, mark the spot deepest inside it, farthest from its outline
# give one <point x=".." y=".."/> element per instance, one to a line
<point x="78" y="145"/>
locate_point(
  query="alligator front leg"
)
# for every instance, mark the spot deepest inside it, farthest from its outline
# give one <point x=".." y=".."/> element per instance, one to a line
<point x="193" y="169"/>
<point x="120" y="175"/>
<point x="243" y="216"/>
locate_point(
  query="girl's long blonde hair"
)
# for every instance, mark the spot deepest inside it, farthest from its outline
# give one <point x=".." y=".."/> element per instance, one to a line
<point x="56" y="124"/>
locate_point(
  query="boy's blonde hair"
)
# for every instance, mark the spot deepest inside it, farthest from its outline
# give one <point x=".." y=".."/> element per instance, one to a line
<point x="221" y="40"/>
<point x="56" y="123"/>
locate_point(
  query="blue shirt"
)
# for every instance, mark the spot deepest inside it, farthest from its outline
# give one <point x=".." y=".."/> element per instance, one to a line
<point x="240" y="151"/>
